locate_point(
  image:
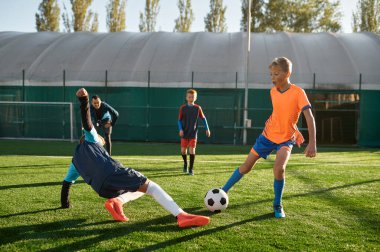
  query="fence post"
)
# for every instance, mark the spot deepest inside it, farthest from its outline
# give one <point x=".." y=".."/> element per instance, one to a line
<point x="64" y="85"/>
<point x="106" y="84"/>
<point x="236" y="80"/>
<point x="313" y="81"/>
<point x="23" y="84"/>
<point x="192" y="79"/>
<point x="147" y="110"/>
<point x="23" y="98"/>
<point x="360" y="82"/>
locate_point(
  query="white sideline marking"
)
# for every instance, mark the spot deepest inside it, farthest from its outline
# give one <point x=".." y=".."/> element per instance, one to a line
<point x="205" y="161"/>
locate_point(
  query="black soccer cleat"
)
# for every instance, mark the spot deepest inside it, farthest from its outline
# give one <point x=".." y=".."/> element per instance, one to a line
<point x="191" y="173"/>
<point x="185" y="168"/>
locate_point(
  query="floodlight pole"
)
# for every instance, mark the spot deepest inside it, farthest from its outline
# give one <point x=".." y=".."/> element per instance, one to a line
<point x="245" y="115"/>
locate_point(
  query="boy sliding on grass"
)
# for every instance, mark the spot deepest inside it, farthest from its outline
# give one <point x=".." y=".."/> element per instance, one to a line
<point x="280" y="132"/>
<point x="188" y="128"/>
<point x="113" y="181"/>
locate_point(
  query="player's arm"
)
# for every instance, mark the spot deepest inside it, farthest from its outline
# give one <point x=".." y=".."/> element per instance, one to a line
<point x="311" y="148"/>
<point x="204" y="120"/>
<point x="114" y="114"/>
<point x="84" y="109"/>
<point x="70" y="178"/>
<point x="89" y="131"/>
<point x="180" y="126"/>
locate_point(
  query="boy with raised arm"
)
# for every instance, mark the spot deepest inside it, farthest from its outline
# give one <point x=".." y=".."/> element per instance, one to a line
<point x="113" y="181"/>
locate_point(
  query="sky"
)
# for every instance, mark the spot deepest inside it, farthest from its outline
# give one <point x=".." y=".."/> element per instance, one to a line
<point x="19" y="15"/>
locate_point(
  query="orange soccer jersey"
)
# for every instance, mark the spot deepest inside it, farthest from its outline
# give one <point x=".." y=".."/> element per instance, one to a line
<point x="287" y="107"/>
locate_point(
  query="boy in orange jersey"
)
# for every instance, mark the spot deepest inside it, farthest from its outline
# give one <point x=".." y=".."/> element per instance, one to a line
<point x="188" y="127"/>
<point x="280" y="132"/>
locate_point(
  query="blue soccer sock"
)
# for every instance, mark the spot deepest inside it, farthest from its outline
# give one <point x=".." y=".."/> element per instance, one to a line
<point x="278" y="186"/>
<point x="235" y="177"/>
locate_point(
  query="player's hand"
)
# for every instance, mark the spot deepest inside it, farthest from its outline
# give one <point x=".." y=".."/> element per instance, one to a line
<point x="208" y="133"/>
<point x="181" y="133"/>
<point x="82" y="92"/>
<point x="311" y="150"/>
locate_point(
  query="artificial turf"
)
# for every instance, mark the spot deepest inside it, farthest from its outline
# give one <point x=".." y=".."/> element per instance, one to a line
<point x="331" y="202"/>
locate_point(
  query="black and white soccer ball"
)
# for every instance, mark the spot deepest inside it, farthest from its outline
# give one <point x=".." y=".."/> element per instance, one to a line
<point x="216" y="200"/>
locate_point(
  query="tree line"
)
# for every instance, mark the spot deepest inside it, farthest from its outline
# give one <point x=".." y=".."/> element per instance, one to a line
<point x="266" y="16"/>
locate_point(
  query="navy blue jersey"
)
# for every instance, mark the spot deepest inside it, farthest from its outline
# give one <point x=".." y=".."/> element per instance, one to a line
<point x="94" y="164"/>
<point x="188" y="117"/>
<point x="105" y="175"/>
<point x="91" y="161"/>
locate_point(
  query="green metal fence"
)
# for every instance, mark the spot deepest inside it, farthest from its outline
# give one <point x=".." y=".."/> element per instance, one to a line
<point x="150" y="114"/>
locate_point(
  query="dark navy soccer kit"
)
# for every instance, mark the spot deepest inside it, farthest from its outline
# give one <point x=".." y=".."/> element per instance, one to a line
<point x="106" y="176"/>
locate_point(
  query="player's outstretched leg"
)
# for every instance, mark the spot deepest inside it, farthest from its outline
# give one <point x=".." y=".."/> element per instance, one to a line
<point x="241" y="171"/>
<point x="184" y="219"/>
<point x="282" y="158"/>
<point x="115" y="208"/>
<point x="115" y="205"/>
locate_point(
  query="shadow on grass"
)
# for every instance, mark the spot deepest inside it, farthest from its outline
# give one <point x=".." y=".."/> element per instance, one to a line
<point x="30" y="212"/>
<point x="36" y="185"/>
<point x="311" y="193"/>
<point x="77" y="228"/>
<point x="186" y="238"/>
<point x="29" y="166"/>
<point x="363" y="215"/>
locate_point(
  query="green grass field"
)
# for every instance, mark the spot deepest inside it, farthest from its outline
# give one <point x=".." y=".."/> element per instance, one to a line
<point x="332" y="202"/>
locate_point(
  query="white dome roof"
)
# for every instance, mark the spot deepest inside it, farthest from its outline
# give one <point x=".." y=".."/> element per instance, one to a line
<point x="336" y="59"/>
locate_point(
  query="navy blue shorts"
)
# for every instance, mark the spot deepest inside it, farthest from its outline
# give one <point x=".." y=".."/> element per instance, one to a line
<point x="263" y="146"/>
<point x="122" y="181"/>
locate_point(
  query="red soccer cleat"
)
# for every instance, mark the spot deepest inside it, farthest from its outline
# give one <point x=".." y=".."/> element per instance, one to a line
<point x="191" y="220"/>
<point x="115" y="208"/>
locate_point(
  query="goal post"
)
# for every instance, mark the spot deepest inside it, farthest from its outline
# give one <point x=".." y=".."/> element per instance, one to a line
<point x="37" y="120"/>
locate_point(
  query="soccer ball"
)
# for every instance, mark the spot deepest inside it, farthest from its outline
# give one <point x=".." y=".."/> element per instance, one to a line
<point x="216" y="200"/>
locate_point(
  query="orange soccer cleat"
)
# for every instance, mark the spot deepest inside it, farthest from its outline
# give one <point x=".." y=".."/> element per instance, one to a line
<point x="115" y="208"/>
<point x="191" y="220"/>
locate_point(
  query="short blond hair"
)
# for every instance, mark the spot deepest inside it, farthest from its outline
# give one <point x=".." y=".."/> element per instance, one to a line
<point x="284" y="63"/>
<point x="192" y="91"/>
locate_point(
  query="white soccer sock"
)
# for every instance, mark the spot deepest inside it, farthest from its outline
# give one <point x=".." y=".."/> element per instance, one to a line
<point x="163" y="198"/>
<point x="129" y="196"/>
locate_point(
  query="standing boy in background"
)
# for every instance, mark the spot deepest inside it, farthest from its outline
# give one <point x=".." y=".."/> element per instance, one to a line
<point x="188" y="128"/>
<point x="104" y="117"/>
<point x="280" y="132"/>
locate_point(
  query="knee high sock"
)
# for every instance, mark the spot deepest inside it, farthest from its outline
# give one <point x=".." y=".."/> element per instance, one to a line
<point x="65" y="194"/>
<point x="163" y="198"/>
<point x="235" y="177"/>
<point x="184" y="159"/>
<point x="278" y="186"/>
<point x="192" y="158"/>
<point x="129" y="196"/>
